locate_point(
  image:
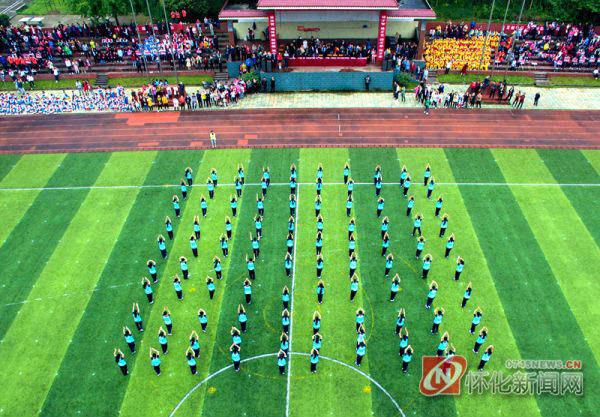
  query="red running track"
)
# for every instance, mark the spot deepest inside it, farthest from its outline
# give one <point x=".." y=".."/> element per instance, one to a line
<point x="301" y="128"/>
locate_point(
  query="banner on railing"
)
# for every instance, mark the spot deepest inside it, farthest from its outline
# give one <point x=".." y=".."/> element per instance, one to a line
<point x="272" y="33"/>
<point x="381" y="34"/>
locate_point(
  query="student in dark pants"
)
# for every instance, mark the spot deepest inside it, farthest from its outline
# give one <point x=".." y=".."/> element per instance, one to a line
<point x="400" y="321"/>
<point x="235" y="356"/>
<point x="361" y="351"/>
<point x="409" y="205"/>
<point x="248" y="291"/>
<point x="162" y="340"/>
<point x="431" y="294"/>
<point x="285" y="321"/>
<point x="485" y="357"/>
<point x="427" y="260"/>
<point x="155" y="360"/>
<point x="224" y="245"/>
<point x="477" y="314"/>
<point x="281" y="361"/>
<point x="480" y="339"/>
<point x="166" y="316"/>
<point x="285" y="298"/>
<point x="120" y="360"/>
<point x="460" y="266"/>
<point x="194" y="245"/>
<point x="183" y="265"/>
<point x="385" y="244"/>
<point x="188" y="176"/>
<point x="178" y="288"/>
<point x="147" y="289"/>
<point x="417" y="224"/>
<point x="443" y="225"/>
<point x="203" y="319"/>
<point x="316" y="322"/>
<point x="162" y="246"/>
<point x="389" y="264"/>
<point x="152" y="270"/>
<point x="320" y="266"/>
<point x="438" y="205"/>
<point x="444" y="341"/>
<point x="242" y="318"/>
<point x="203" y="206"/>
<point x="210" y="187"/>
<point x="438" y="316"/>
<point x="183" y="189"/>
<point x="228" y="227"/>
<point x="169" y="227"/>
<point x="314" y="360"/>
<point x="137" y="317"/>
<point x="284" y="343"/>
<point x="466" y="295"/>
<point x="176" y="206"/>
<point x="403" y="334"/>
<point x="353" y="287"/>
<point x="196" y="226"/>
<point x="406" y="358"/>
<point x="406" y="186"/>
<point x="191" y="360"/>
<point x="218" y="267"/>
<point x="250" y="266"/>
<point x="395" y="287"/>
<point x="210" y="284"/>
<point x="194" y="345"/>
<point x="449" y="246"/>
<point x="129" y="339"/>
<point x="420" y="246"/>
<point x="320" y="291"/>
<point x="287" y="264"/>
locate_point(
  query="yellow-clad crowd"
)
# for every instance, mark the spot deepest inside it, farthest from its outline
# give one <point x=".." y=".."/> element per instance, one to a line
<point x="439" y="52"/>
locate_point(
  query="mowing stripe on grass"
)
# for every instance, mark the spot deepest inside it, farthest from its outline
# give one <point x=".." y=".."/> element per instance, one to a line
<point x="573" y="166"/>
<point x="523" y="278"/>
<point x="337" y="392"/>
<point x="268" y="388"/>
<point x="39" y="231"/>
<point x="184" y="313"/>
<point x="87" y="377"/>
<point x="384" y="344"/>
<point x="75" y="264"/>
<point x="13" y="207"/>
<point x="7" y="162"/>
<point x="485" y="295"/>
<point x="569" y="250"/>
<point x="593" y="158"/>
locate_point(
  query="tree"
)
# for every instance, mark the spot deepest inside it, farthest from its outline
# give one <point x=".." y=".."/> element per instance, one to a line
<point x="4" y="20"/>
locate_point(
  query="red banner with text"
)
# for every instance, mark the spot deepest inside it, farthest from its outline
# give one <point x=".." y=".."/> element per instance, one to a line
<point x="272" y="33"/>
<point x="381" y="34"/>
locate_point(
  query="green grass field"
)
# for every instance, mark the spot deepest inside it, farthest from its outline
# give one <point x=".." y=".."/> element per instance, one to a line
<point x="77" y="230"/>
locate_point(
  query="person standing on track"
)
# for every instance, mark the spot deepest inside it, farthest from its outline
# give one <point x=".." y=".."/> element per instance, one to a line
<point x="162" y="246"/>
<point x="433" y="288"/>
<point x="176" y="206"/>
<point x="120" y="360"/>
<point x="137" y="317"/>
<point x="409" y="205"/>
<point x="449" y="245"/>
<point x="147" y="290"/>
<point x="460" y="266"/>
<point x="203" y="319"/>
<point x="129" y="339"/>
<point x="191" y="360"/>
<point x="166" y="316"/>
<point x="235" y="356"/>
<point x="242" y="318"/>
<point x="467" y="295"/>
<point x="213" y="139"/>
<point x="155" y="360"/>
<point x="353" y="287"/>
<point x="169" y="227"/>
<point x="281" y="361"/>
<point x="320" y="291"/>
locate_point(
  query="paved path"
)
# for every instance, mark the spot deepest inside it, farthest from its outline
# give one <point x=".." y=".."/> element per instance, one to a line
<point x="301" y="127"/>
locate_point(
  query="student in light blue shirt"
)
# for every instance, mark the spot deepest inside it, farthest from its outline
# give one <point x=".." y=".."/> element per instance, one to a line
<point x="319" y="243"/>
<point x="467" y="295"/>
<point x="210" y="284"/>
<point x="385" y="225"/>
<point x="346" y="172"/>
<point x="417" y="224"/>
<point x="350" y="186"/>
<point x="438" y="205"/>
<point x="214" y="177"/>
<point x="385" y="244"/>
<point x="242" y="318"/>
<point x="281" y="361"/>
<point x="292" y="205"/>
<point x="395" y="287"/>
<point x="426" y="175"/>
<point x="406" y="358"/>
<point x="443" y="225"/>
<point x="444" y="341"/>
<point x="449" y="245"/>
<point x="360" y="318"/>
<point x="183" y="189"/>
<point x="224" y="245"/>
<point x="166" y="316"/>
<point x="255" y="243"/>
<point x="320" y="291"/>
<point x="238" y="186"/>
<point x="203" y="319"/>
<point x="233" y="203"/>
<point x="317" y="206"/>
<point x="430" y="187"/>
<point x="438" y="316"/>
<point x="194" y="245"/>
<point x="218" y="267"/>
<point x="433" y="287"/>
<point x="485" y="357"/>
<point x="129" y="339"/>
<point x="203" y="206"/>
<point x="480" y="339"/>
<point x="389" y="263"/>
<point x="178" y="289"/>
<point x="460" y="266"/>
<point x="380" y="205"/>
<point x="403" y="175"/>
<point x="183" y="264"/>
<point x="400" y="321"/>
<point x="406" y="186"/>
<point x="477" y="315"/>
<point x="260" y="205"/>
<point x="248" y="291"/>
<point x="250" y="265"/>
<point x="351" y="227"/>
<point x="258" y="226"/>
<point x="235" y="356"/>
<point x="316" y="322"/>
<point x="420" y="246"/>
<point x="241" y="173"/>
<point x="314" y="360"/>
<point x="169" y="227"/>
<point x="210" y="186"/>
<point x="188" y="176"/>
<point x="353" y="265"/>
<point x="287" y="264"/>
<point x="120" y="360"/>
<point x="409" y="205"/>
<point x="228" y="227"/>
<point x="196" y="227"/>
<point x="152" y="270"/>
<point x="176" y="206"/>
<point x="147" y="289"/>
<point x="285" y="321"/>
<point x="427" y="260"/>
<point x="137" y="317"/>
<point x="284" y="343"/>
<point x="349" y="206"/>
<point x="317" y="341"/>
<point x="162" y="340"/>
<point x="155" y="360"/>
<point x="361" y="351"/>
<point x="353" y="287"/>
<point x="191" y="360"/>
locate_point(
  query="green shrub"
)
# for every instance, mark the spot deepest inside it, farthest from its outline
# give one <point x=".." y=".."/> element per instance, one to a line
<point x="4" y="20"/>
<point x="403" y="79"/>
<point x="252" y="75"/>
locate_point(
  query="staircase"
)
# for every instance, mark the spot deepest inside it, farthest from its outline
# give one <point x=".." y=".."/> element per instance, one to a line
<point x="540" y="79"/>
<point x="102" y="80"/>
<point x="221" y="76"/>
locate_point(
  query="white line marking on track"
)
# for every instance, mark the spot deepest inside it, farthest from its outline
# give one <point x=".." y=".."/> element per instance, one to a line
<point x="266" y="355"/>
<point x="477" y="184"/>
<point x="289" y="373"/>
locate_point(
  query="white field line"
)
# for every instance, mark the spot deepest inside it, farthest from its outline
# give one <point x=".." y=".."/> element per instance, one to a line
<point x="289" y="373"/>
<point x="475" y="184"/>
<point x="266" y="355"/>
